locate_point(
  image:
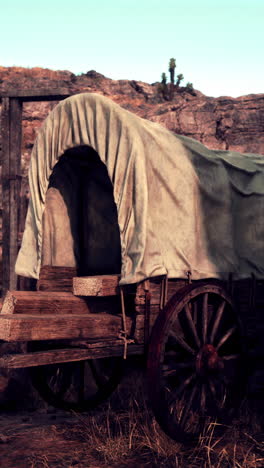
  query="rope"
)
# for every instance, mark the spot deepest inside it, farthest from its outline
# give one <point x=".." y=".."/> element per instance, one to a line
<point x="163" y="292"/>
<point x="189" y="276"/>
<point x="123" y="333"/>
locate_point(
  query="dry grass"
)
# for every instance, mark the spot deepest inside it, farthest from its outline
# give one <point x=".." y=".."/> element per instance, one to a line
<point x="124" y="433"/>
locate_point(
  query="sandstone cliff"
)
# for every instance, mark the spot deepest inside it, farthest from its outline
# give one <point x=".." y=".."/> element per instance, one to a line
<point x="219" y="123"/>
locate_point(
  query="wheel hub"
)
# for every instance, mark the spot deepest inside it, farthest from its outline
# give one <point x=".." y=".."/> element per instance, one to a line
<point x="208" y="361"/>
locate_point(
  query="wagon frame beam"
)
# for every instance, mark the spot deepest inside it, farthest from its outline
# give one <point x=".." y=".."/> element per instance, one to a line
<point x="10" y="155"/>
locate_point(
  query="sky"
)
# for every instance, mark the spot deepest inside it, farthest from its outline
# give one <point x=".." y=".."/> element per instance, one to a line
<point x="218" y="46"/>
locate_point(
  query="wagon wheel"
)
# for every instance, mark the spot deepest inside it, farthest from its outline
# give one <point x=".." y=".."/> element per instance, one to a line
<point x="78" y="386"/>
<point x="195" y="361"/>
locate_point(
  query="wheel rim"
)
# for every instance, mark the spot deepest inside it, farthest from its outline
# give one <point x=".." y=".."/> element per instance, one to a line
<point x="194" y="362"/>
<point x="78" y="386"/>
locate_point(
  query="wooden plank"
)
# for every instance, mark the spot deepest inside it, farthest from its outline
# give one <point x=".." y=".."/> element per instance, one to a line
<point x="104" y="285"/>
<point x="37" y="94"/>
<point x="15" y="183"/>
<point x="64" y="284"/>
<point x="36" y="302"/>
<point x="24" y="327"/>
<point x="5" y="131"/>
<point x="11" y="142"/>
<point x="153" y="286"/>
<point x="40" y="358"/>
<point x="49" y="272"/>
<point x="56" y="278"/>
<point x="24" y="201"/>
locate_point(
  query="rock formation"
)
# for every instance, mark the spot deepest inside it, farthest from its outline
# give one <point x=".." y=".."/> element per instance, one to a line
<point x="219" y="123"/>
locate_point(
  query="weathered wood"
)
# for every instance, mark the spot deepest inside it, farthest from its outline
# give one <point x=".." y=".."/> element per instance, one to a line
<point x="36" y="302"/>
<point x="11" y="179"/>
<point x="23" y="327"/>
<point x="57" y="272"/>
<point x="40" y="358"/>
<point x="49" y="272"/>
<point x="5" y="132"/>
<point x="11" y="131"/>
<point x="37" y="94"/>
<point x="64" y="284"/>
<point x="23" y="207"/>
<point x="105" y="285"/>
<point x="56" y="278"/>
<point x="153" y="286"/>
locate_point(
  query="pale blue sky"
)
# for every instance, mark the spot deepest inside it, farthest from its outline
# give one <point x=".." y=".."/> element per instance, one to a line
<point x="218" y="46"/>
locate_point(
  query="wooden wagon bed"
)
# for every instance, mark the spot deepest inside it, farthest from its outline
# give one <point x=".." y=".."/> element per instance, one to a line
<point x="88" y="309"/>
<point x="70" y="320"/>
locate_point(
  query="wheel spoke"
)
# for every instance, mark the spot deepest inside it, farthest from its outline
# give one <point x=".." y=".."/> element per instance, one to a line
<point x="222" y="398"/>
<point x="62" y="382"/>
<point x="186" y="409"/>
<point x="195" y="313"/>
<point x="226" y="336"/>
<point x="229" y="357"/>
<point x="191" y="324"/>
<point x="176" y="393"/>
<point x="219" y="402"/>
<point x="181" y="342"/>
<point x="218" y="317"/>
<point x="170" y="372"/>
<point x="222" y="379"/>
<point x="81" y="382"/>
<point x="98" y="377"/>
<point x="203" y="398"/>
<point x="205" y="317"/>
<point x="171" y="354"/>
<point x="212" y="389"/>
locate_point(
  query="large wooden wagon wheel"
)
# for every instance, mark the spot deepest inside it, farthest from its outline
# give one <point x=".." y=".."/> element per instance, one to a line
<point x="195" y="361"/>
<point x="78" y="386"/>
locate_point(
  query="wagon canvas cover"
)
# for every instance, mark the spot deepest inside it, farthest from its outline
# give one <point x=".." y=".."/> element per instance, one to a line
<point x="181" y="207"/>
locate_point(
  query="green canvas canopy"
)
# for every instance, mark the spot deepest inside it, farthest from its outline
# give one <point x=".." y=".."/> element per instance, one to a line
<point x="181" y="207"/>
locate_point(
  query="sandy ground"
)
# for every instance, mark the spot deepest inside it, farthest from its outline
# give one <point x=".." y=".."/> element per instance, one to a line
<point x="45" y="438"/>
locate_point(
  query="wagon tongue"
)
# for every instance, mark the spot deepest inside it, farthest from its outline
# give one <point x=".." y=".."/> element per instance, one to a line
<point x="208" y="360"/>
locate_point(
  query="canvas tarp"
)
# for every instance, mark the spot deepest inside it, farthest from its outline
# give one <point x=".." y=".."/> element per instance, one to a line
<point x="181" y="207"/>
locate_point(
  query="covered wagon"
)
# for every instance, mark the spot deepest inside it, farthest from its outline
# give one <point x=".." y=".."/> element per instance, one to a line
<point x="140" y="241"/>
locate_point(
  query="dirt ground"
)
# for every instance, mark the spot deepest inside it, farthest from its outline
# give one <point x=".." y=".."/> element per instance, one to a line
<point x="41" y="439"/>
<point x="49" y="438"/>
<point x="120" y="433"/>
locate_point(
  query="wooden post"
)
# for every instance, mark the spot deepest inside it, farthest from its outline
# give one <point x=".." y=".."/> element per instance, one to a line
<point x="11" y="131"/>
<point x="11" y="162"/>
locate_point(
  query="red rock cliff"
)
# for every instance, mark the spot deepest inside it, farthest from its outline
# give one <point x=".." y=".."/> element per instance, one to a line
<point x="219" y="123"/>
